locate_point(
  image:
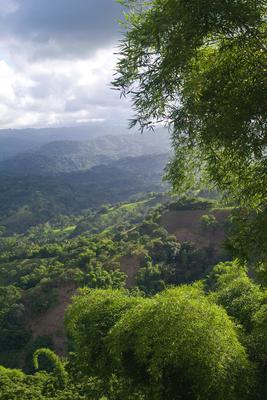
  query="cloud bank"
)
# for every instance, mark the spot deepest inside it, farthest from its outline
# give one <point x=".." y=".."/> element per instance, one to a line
<point x="56" y="63"/>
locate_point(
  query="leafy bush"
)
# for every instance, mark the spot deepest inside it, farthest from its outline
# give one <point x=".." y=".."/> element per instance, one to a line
<point x="209" y="222"/>
<point x="88" y="321"/>
<point x="14" y="334"/>
<point x="187" y="203"/>
<point x="179" y="345"/>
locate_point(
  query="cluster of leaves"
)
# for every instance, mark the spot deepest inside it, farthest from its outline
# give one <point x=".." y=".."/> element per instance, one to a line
<point x="200" y="341"/>
<point x="248" y="239"/>
<point x="178" y="344"/>
<point x="202" y="69"/>
<point x="199" y="66"/>
<point x="246" y="302"/>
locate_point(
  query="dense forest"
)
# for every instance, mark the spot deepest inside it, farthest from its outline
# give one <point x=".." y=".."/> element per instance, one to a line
<point x="26" y="201"/>
<point x="132" y="272"/>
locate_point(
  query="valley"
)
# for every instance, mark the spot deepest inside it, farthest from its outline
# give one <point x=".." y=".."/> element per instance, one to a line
<point x="133" y="202"/>
<point x="93" y="214"/>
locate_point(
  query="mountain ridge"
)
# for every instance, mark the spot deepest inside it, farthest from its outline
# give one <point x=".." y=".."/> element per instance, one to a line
<point x="59" y="156"/>
<point x="29" y="200"/>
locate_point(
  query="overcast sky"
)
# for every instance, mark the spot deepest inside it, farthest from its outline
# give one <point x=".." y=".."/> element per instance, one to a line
<point x="56" y="63"/>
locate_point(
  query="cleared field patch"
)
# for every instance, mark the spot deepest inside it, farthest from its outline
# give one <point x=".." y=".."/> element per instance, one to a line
<point x="130" y="266"/>
<point x="51" y="323"/>
<point x="186" y="226"/>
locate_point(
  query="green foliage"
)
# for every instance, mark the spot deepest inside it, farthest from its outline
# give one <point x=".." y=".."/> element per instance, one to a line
<point x="245" y="301"/>
<point x="209" y="222"/>
<point x="58" y="367"/>
<point x="48" y="259"/>
<point x="199" y="66"/>
<point x="43" y="297"/>
<point x="176" y="345"/>
<point x="103" y="279"/>
<point x="207" y="55"/>
<point x="38" y="343"/>
<point x="248" y="239"/>
<point x="13" y="333"/>
<point x="150" y="279"/>
<point x="88" y="321"/>
<point x="236" y="292"/>
<point x="16" y="385"/>
<point x="172" y="263"/>
<point x="179" y="345"/>
<point x="158" y="363"/>
<point x="258" y="337"/>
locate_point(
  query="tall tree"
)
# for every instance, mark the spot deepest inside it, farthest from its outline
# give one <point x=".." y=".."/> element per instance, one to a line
<point x="200" y="67"/>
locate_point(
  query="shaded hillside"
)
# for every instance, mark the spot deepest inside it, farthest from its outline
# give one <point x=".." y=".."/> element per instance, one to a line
<point x="11" y="146"/>
<point x="15" y="141"/>
<point x="69" y="156"/>
<point x="29" y="200"/>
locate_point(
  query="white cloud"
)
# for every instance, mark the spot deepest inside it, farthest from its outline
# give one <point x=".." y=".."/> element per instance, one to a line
<point x="57" y="61"/>
<point x="60" y="92"/>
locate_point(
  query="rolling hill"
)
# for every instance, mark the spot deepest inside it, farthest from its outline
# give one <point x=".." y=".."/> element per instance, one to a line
<point x="68" y="156"/>
<point x="29" y="200"/>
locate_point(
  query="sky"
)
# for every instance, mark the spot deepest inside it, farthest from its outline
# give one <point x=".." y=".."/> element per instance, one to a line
<point x="56" y="63"/>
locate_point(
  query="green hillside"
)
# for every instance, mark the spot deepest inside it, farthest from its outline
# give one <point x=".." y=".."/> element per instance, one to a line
<point x="118" y="246"/>
<point x="30" y="200"/>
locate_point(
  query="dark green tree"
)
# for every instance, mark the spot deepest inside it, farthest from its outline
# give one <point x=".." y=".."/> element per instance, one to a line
<point x="14" y="334"/>
<point x="236" y="292"/>
<point x="200" y="67"/>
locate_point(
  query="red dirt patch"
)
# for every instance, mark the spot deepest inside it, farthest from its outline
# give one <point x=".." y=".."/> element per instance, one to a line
<point x="186" y="226"/>
<point x="130" y="266"/>
<point x="52" y="322"/>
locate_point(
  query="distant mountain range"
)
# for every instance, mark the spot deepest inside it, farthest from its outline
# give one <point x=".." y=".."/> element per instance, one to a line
<point x="65" y="156"/>
<point x="46" y="173"/>
<point x="16" y="141"/>
<point x="29" y="200"/>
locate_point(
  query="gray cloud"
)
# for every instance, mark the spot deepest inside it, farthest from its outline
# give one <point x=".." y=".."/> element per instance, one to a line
<point x="61" y="28"/>
<point x="56" y="63"/>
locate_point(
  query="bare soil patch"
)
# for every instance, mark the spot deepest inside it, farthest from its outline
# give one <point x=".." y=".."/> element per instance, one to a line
<point x="130" y="266"/>
<point x="186" y="226"/>
<point x="51" y="323"/>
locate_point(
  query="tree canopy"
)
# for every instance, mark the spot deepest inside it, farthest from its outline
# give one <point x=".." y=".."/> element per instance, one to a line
<point x="179" y="345"/>
<point x="200" y="67"/>
<point x="176" y="345"/>
<point x="88" y="321"/>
